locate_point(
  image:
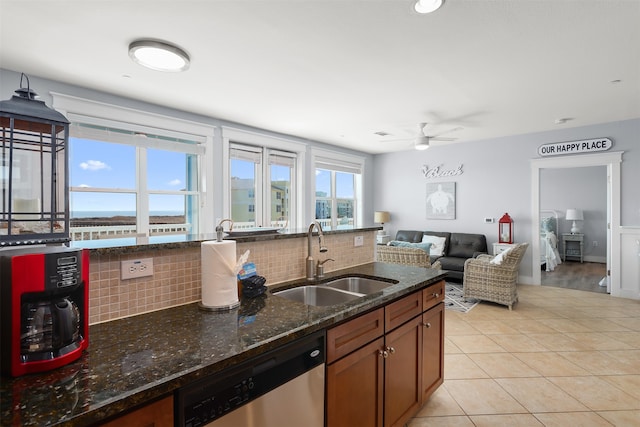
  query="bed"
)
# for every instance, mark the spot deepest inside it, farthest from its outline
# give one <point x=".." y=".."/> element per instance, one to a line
<point x="549" y="254"/>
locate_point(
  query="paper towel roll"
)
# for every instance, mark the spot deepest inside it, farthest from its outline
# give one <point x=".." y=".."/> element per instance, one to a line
<point x="219" y="281"/>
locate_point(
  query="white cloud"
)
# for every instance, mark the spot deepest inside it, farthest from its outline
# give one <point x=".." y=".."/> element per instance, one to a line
<point x="94" y="165"/>
<point x="175" y="182"/>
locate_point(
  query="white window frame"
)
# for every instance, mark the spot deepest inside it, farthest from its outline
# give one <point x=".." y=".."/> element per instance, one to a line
<point x="269" y="145"/>
<point x="81" y="110"/>
<point x="341" y="162"/>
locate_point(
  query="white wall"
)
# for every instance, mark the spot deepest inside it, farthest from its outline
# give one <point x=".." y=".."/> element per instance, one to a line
<point x="496" y="180"/>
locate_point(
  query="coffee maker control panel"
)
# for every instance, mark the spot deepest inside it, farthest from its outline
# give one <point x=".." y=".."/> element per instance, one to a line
<point x="62" y="270"/>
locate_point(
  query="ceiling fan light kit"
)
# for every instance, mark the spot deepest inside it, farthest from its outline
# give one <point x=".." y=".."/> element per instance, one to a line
<point x="159" y="56"/>
<point x="428" y="6"/>
<point x="422" y="143"/>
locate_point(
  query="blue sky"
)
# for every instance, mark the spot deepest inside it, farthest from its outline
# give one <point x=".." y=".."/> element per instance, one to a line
<point x="94" y="164"/>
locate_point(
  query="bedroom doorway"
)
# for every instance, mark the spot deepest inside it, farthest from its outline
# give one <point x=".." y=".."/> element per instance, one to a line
<point x="612" y="163"/>
<point x="584" y="188"/>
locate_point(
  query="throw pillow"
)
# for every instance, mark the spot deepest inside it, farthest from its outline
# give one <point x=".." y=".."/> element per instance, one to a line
<point x="437" y="244"/>
<point x="424" y="246"/>
<point x="497" y="260"/>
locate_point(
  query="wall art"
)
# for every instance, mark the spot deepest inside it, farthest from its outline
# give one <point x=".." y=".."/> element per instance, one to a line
<point x="441" y="200"/>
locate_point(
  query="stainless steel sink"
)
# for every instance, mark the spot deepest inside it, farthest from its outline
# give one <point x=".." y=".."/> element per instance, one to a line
<point x="360" y="285"/>
<point x="318" y="295"/>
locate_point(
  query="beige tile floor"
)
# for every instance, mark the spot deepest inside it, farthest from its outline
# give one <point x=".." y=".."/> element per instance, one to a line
<point x="562" y="357"/>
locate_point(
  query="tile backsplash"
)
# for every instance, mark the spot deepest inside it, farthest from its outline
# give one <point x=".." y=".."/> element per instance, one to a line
<point x="176" y="278"/>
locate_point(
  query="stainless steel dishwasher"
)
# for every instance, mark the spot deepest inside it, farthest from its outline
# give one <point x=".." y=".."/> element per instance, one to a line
<point x="283" y="387"/>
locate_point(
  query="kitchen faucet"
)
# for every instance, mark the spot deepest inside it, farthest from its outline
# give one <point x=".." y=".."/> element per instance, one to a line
<point x="311" y="268"/>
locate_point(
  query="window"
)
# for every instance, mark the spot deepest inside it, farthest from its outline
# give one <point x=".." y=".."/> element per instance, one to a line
<point x="338" y="184"/>
<point x="261" y="186"/>
<point x="125" y="183"/>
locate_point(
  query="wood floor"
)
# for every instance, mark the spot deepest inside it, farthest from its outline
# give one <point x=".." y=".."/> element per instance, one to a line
<point x="575" y="275"/>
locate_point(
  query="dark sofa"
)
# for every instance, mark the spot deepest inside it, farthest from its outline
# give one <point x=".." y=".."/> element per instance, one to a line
<point x="458" y="247"/>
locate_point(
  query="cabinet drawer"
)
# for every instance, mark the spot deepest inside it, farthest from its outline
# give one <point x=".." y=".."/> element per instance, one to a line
<point x="396" y="313"/>
<point x="353" y="334"/>
<point x="432" y="295"/>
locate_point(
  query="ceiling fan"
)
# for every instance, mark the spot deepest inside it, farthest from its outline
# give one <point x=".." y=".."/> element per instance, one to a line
<point x="422" y="141"/>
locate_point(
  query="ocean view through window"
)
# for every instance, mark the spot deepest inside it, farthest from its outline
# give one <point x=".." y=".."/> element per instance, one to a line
<point x="125" y="183"/>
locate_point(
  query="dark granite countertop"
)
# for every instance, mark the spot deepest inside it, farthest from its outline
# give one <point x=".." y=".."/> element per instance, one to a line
<point x="139" y="359"/>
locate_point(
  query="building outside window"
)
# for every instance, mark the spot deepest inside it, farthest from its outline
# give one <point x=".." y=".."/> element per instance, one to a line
<point x="338" y="187"/>
<point x="261" y="186"/>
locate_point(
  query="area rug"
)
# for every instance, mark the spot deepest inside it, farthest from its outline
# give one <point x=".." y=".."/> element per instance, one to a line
<point x="453" y="299"/>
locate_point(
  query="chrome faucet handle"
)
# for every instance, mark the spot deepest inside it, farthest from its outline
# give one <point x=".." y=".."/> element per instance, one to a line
<point x="320" y="267"/>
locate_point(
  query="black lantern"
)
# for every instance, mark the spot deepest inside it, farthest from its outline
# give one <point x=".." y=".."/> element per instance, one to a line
<point x="34" y="171"/>
<point x="505" y="232"/>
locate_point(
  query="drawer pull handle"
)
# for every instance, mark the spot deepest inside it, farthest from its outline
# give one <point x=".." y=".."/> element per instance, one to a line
<point x="391" y="350"/>
<point x="427" y="325"/>
<point x="436" y="295"/>
<point x="383" y="353"/>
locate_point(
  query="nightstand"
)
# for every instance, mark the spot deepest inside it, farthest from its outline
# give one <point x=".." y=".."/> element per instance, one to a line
<point x="501" y="247"/>
<point x="382" y="239"/>
<point x="573" y="246"/>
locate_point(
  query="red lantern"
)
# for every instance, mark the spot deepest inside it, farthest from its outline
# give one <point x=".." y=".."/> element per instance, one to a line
<point x="505" y="229"/>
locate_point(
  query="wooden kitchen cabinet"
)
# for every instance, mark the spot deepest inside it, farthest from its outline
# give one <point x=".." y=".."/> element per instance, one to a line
<point x="157" y="414"/>
<point x="432" y="350"/>
<point x="355" y="388"/>
<point x="383" y="365"/>
<point x="402" y="379"/>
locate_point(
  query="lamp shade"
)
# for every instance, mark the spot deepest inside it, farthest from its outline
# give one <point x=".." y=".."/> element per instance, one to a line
<point x="574" y="215"/>
<point x="381" y="217"/>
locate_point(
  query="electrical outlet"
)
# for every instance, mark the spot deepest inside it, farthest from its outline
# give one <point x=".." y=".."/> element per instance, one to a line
<point x="358" y="241"/>
<point x="595" y="243"/>
<point x="488" y="220"/>
<point x="136" y="268"/>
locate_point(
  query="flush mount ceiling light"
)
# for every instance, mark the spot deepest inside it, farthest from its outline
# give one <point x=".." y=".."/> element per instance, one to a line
<point x="428" y="6"/>
<point x="159" y="56"/>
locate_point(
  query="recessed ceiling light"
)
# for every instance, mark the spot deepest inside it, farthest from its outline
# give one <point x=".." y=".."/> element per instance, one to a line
<point x="428" y="6"/>
<point x="159" y="56"/>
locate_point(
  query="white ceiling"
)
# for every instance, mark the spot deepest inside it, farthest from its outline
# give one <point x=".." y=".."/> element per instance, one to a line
<point x="337" y="71"/>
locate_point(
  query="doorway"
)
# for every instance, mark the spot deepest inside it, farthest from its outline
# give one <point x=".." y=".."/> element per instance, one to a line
<point x="612" y="163"/>
<point x="583" y="249"/>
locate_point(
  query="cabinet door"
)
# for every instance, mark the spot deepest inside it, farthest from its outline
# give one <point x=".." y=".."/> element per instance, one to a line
<point x="432" y="350"/>
<point x="403" y="381"/>
<point x="158" y="414"/>
<point x="354" y="388"/>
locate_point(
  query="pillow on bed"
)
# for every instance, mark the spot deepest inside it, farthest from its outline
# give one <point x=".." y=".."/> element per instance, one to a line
<point x="437" y="244"/>
<point x="548" y="224"/>
<point x="424" y="246"/>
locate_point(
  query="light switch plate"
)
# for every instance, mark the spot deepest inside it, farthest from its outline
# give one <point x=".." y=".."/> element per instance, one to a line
<point x="136" y="268"/>
<point x="358" y="241"/>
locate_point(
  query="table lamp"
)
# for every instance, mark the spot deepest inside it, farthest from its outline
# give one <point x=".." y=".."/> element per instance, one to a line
<point x="381" y="217"/>
<point x="574" y="215"/>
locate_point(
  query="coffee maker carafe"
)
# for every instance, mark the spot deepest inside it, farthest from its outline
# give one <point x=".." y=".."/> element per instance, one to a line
<point x="44" y="299"/>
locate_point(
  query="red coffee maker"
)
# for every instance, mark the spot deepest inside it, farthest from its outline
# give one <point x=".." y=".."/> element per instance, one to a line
<point x="44" y="309"/>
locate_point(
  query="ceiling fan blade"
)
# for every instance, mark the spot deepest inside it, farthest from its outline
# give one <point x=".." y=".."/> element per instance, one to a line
<point x="455" y="129"/>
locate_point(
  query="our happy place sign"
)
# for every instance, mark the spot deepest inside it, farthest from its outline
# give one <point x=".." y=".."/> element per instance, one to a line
<point x="575" y="147"/>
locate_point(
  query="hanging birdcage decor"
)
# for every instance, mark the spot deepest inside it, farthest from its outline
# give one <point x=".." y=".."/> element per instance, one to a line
<point x="34" y="171"/>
